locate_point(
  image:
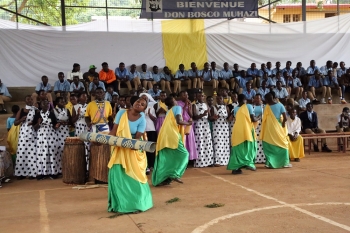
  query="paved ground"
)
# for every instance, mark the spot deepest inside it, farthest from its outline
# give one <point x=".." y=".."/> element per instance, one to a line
<point x="313" y="196"/>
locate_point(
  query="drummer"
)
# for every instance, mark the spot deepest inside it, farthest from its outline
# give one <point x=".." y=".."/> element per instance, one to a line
<point x="98" y="113"/>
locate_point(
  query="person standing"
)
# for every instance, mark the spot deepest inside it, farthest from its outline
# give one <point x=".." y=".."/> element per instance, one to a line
<point x="128" y="189"/>
<point x="171" y="154"/>
<point x="274" y="134"/>
<point x="258" y="108"/>
<point x="161" y="110"/>
<point x="221" y="137"/>
<point x="186" y="106"/>
<point x="296" y="142"/>
<point x="243" y="139"/>
<point x="202" y="133"/>
<point x="75" y="72"/>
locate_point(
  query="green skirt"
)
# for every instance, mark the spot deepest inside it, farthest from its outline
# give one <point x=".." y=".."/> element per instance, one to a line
<point x="170" y="163"/>
<point x="126" y="195"/>
<point x="276" y="157"/>
<point x="243" y="155"/>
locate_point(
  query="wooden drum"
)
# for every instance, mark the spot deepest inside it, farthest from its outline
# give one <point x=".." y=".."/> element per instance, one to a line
<point x="74" y="161"/>
<point x="98" y="163"/>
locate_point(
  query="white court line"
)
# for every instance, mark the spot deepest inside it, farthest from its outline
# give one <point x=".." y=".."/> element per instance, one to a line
<point x="283" y="204"/>
<point x="44" y="215"/>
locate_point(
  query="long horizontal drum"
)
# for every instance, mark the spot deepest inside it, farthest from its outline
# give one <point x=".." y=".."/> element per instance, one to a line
<point x="118" y="141"/>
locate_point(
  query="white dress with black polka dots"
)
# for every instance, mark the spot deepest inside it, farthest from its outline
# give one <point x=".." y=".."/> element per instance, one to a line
<point x="203" y="138"/>
<point x="260" y="156"/>
<point x="80" y="125"/>
<point x="221" y="137"/>
<point x="26" y="148"/>
<point x="48" y="162"/>
<point x="63" y="131"/>
<point x="231" y="123"/>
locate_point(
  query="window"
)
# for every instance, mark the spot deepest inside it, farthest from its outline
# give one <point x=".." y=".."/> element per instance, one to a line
<point x="327" y="15"/>
<point x="286" y="18"/>
<point x="296" y="17"/>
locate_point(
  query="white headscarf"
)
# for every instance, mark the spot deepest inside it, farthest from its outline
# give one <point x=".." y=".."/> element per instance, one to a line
<point x="151" y="101"/>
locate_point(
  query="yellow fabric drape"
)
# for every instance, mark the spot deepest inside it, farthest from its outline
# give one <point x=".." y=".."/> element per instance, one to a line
<point x="163" y="106"/>
<point x="184" y="42"/>
<point x="134" y="162"/>
<point x="242" y="129"/>
<point x="271" y="130"/>
<point x="12" y="138"/>
<point x="296" y="148"/>
<point x="168" y="134"/>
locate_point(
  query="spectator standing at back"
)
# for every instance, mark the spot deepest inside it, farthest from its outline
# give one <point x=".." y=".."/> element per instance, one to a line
<point x="75" y="72"/>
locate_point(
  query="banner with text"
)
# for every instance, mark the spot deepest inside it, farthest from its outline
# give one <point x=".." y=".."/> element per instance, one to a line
<point x="199" y="9"/>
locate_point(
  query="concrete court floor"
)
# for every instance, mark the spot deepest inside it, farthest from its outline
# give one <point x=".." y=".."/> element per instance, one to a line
<point x="313" y="196"/>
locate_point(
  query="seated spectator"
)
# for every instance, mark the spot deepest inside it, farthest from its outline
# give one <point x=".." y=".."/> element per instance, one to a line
<point x="62" y="87"/>
<point x="303" y="101"/>
<point x="288" y="80"/>
<point x="281" y="93"/>
<point x="215" y="75"/>
<point x="89" y="76"/>
<point x="155" y="92"/>
<point x="181" y="76"/>
<point x="316" y="85"/>
<point x="110" y="93"/>
<point x="295" y="142"/>
<point x="44" y="85"/>
<point x="168" y="77"/>
<point x="324" y="69"/>
<point x="123" y="76"/>
<point x="76" y="86"/>
<point x="227" y="79"/>
<point x="297" y="87"/>
<point x="277" y="70"/>
<point x="262" y="71"/>
<point x="4" y="97"/>
<point x="121" y="102"/>
<point x="268" y="69"/>
<point x="135" y="76"/>
<point x="332" y="83"/>
<point x="75" y="72"/>
<point x="253" y="75"/>
<point x="195" y="75"/>
<point x="311" y="71"/>
<point x="108" y="77"/>
<point x="300" y="73"/>
<point x="11" y="120"/>
<point x="341" y="73"/>
<point x="249" y="93"/>
<point x="206" y="76"/>
<point x="265" y="77"/>
<point x="242" y="81"/>
<point x="273" y="81"/>
<point x="263" y="90"/>
<point x="146" y="77"/>
<point x="94" y="85"/>
<point x="288" y="69"/>
<point x="226" y="97"/>
<point x="343" y="121"/>
<point x="309" y="122"/>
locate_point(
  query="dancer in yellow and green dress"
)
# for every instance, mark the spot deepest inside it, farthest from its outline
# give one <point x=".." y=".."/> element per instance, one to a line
<point x="171" y="155"/>
<point x="274" y="134"/>
<point x="128" y="189"/>
<point x="243" y="138"/>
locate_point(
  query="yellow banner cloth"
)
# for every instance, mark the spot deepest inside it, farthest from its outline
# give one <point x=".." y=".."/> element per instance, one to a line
<point x="242" y="129"/>
<point x="168" y="134"/>
<point x="133" y="161"/>
<point x="184" y="42"/>
<point x="12" y="138"/>
<point x="272" y="131"/>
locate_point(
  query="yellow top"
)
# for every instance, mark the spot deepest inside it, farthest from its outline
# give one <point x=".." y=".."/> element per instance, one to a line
<point x="69" y="106"/>
<point x="272" y="131"/>
<point x="242" y="129"/>
<point x="133" y="161"/>
<point x="227" y="100"/>
<point x="169" y="133"/>
<point x="93" y="110"/>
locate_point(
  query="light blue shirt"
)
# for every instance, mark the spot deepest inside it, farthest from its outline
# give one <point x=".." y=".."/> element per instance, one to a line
<point x="274" y="80"/>
<point x="192" y="74"/>
<point x="251" y="72"/>
<point x="109" y="96"/>
<point x="10" y="122"/>
<point x="315" y="83"/>
<point x="146" y="75"/>
<point x="153" y="94"/>
<point x="93" y="86"/>
<point x="41" y="86"/>
<point x="340" y="72"/>
<point x="136" y="74"/>
<point x="181" y="75"/>
<point x="74" y="87"/>
<point x="303" y="102"/>
<point x="289" y="71"/>
<point x="249" y="95"/>
<point x="277" y="109"/>
<point x="167" y="77"/>
<point x="65" y="86"/>
<point x="242" y="82"/>
<point x="258" y="110"/>
<point x="324" y="70"/>
<point x="215" y="74"/>
<point x="269" y="72"/>
<point x="301" y="72"/>
<point x="5" y="91"/>
<point x="275" y="71"/>
<point x="268" y="82"/>
<point x="135" y="126"/>
<point x="177" y="110"/>
<point x="206" y="75"/>
<point x="311" y="70"/>
<point x="249" y="106"/>
<point x="158" y="76"/>
<point x="263" y="92"/>
<point x="281" y="94"/>
<point x="330" y="81"/>
<point x="226" y="75"/>
<point x="121" y="74"/>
